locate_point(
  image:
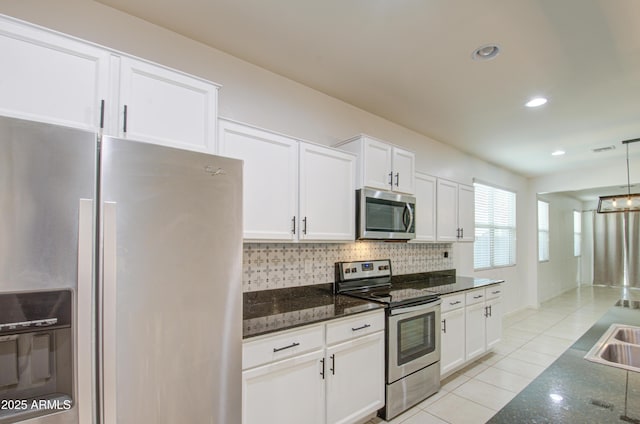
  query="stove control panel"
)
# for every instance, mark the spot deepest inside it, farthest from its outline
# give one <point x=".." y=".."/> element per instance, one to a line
<point x="359" y="270"/>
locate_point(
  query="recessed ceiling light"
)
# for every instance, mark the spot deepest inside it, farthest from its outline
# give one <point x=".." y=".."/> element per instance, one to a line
<point x="536" y="101"/>
<point x="558" y="153"/>
<point x="486" y="52"/>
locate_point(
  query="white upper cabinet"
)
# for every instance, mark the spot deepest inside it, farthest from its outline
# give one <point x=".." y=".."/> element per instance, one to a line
<point x="270" y="176"/>
<point x="403" y="170"/>
<point x="51" y="78"/>
<point x="381" y="165"/>
<point x="455" y="212"/>
<point x="425" y="207"/>
<point x="291" y="188"/>
<point x="166" y="107"/>
<point x="327" y="193"/>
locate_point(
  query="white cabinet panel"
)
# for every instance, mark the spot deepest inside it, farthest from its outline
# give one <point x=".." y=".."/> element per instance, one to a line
<point x="376" y="164"/>
<point x="447" y="211"/>
<point x="455" y="212"/>
<point x="425" y="189"/>
<point x="50" y="78"/>
<point x="494" y="322"/>
<point x="381" y="165"/>
<point x="327" y="187"/>
<point x="355" y="378"/>
<point x="452" y="340"/>
<point x="475" y="331"/>
<point x="466" y="212"/>
<point x="166" y="107"/>
<point x="403" y="165"/>
<point x="291" y="391"/>
<point x="270" y="180"/>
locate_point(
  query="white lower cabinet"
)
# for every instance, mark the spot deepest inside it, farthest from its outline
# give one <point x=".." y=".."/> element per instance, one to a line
<point x="341" y="381"/>
<point x="285" y="392"/>
<point x="471" y="326"/>
<point x="452" y="341"/>
<point x="483" y="320"/>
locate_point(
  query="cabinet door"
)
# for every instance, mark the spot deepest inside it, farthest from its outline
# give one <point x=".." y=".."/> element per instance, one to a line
<point x="327" y="193"/>
<point x="403" y="164"/>
<point x="494" y="322"/>
<point x="425" y="207"/>
<point x="466" y="214"/>
<point x="285" y="392"/>
<point x="447" y="211"/>
<point x="50" y="78"/>
<point x="452" y="340"/>
<point x="475" y="330"/>
<point x="376" y="164"/>
<point x="166" y="107"/>
<point x="270" y="176"/>
<point x="355" y="379"/>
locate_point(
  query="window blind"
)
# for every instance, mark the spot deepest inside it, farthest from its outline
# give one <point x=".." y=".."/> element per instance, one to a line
<point x="495" y="219"/>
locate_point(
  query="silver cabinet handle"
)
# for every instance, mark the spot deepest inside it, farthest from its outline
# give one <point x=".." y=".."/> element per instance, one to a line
<point x="304" y="226"/>
<point x="278" y="349"/>
<point x="293" y="223"/>
<point x="454" y="303"/>
<point x="444" y="325"/>
<point x="361" y="328"/>
<point x="496" y="292"/>
<point x="333" y="364"/>
<point x="397" y="179"/>
<point x="391" y="179"/>
<point x="477" y="297"/>
<point x="322" y="369"/>
<point x="108" y="282"/>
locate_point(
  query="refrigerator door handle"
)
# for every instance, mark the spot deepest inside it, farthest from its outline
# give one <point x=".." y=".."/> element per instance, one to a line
<point x="108" y="317"/>
<point x="85" y="391"/>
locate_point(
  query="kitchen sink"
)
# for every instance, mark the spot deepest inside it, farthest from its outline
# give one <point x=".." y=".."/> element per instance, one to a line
<point x="628" y="335"/>
<point x="618" y="347"/>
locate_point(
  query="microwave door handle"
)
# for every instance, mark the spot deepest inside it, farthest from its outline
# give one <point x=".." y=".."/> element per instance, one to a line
<point x="410" y="212"/>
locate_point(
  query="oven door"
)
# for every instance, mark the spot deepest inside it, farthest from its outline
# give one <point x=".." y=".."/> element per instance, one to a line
<point x="413" y="339"/>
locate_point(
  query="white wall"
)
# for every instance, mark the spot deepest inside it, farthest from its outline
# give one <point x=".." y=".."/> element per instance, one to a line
<point x="259" y="97"/>
<point x="562" y="271"/>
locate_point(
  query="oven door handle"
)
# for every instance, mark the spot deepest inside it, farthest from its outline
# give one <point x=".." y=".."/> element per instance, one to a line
<point x="414" y="308"/>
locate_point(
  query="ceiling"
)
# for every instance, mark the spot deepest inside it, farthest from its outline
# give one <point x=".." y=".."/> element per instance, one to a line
<point x="409" y="61"/>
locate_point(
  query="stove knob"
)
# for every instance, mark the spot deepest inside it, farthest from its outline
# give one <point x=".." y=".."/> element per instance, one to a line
<point x="347" y="270"/>
<point x="354" y="269"/>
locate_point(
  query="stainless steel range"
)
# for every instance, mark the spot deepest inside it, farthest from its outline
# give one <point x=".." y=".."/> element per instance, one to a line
<point x="412" y="331"/>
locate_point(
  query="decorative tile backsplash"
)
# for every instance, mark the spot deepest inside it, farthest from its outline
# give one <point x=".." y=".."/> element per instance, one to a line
<point x="268" y="266"/>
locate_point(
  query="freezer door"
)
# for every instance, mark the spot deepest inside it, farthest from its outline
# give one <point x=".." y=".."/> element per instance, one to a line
<point x="47" y="183"/>
<point x="171" y="285"/>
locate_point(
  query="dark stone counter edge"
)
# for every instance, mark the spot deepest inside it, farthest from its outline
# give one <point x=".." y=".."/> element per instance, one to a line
<point x="266" y="303"/>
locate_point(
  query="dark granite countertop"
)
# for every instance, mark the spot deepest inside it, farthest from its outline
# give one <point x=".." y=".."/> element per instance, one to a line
<point x="269" y="311"/>
<point x="574" y="390"/>
<point x="443" y="282"/>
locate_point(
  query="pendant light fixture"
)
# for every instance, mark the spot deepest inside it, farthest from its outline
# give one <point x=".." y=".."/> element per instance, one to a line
<point x="622" y="202"/>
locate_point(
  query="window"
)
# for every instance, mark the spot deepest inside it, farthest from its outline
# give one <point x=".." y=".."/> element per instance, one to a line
<point x="495" y="243"/>
<point x="543" y="231"/>
<point x="577" y="233"/>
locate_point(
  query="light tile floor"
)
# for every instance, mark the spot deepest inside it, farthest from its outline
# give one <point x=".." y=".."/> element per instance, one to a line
<point x="532" y="340"/>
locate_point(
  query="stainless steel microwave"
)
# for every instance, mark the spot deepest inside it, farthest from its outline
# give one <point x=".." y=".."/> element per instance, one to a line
<point x="383" y="215"/>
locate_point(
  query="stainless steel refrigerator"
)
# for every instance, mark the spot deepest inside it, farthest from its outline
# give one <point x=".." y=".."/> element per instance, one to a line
<point x="120" y="280"/>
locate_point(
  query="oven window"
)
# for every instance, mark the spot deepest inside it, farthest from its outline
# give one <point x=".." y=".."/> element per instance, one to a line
<point x="416" y="337"/>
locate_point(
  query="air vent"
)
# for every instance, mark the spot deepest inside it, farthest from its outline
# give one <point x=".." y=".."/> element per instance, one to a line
<point x="603" y="149"/>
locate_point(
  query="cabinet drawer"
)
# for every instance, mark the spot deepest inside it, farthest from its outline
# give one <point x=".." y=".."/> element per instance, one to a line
<point x="282" y="345"/>
<point x="475" y="296"/>
<point x="356" y="326"/>
<point x="452" y="302"/>
<point x="493" y="291"/>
